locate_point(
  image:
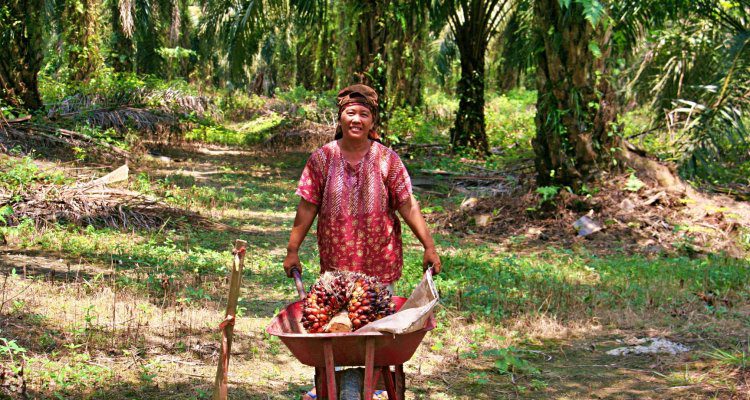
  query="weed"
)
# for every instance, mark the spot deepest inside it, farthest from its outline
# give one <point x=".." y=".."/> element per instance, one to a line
<point x="538" y="384"/>
<point x="18" y="174"/>
<point x="547" y="192"/>
<point x="684" y="377"/>
<point x="75" y="373"/>
<point x="201" y="394"/>
<point x="273" y="342"/>
<point x="17" y="306"/>
<point x="5" y="211"/>
<point x="495" y="286"/>
<point x="735" y="358"/>
<point x="148" y="372"/>
<point x="10" y="348"/>
<point x="239" y="134"/>
<point x="479" y="378"/>
<point x="409" y="124"/>
<point x="509" y="360"/>
<point x="634" y="184"/>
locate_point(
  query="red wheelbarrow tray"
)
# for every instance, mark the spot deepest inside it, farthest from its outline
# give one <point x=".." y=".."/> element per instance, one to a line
<point x="348" y="347"/>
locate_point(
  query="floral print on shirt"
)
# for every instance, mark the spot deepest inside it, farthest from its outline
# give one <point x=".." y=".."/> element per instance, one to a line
<point x="358" y="229"/>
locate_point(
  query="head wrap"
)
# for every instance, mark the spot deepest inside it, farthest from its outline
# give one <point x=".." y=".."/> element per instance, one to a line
<point x="360" y="95"/>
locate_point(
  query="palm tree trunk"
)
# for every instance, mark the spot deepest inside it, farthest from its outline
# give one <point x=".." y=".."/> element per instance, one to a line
<point x="405" y="47"/>
<point x="81" y="38"/>
<point x="324" y="55"/>
<point x="147" y="38"/>
<point x="371" y="57"/>
<point x="21" y="41"/>
<point x="469" y="129"/>
<point x="304" y="55"/>
<point x="346" y="20"/>
<point x="576" y="138"/>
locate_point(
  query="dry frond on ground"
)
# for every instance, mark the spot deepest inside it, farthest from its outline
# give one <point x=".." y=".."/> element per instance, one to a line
<point x="305" y="136"/>
<point x="94" y="204"/>
<point x="648" y="219"/>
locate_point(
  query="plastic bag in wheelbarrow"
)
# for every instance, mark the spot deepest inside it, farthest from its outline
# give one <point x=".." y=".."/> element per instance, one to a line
<point x="413" y="315"/>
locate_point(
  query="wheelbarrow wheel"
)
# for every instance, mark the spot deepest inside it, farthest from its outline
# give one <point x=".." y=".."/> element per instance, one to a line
<point x="351" y="384"/>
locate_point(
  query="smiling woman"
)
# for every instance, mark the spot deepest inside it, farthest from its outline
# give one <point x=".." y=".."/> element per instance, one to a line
<point x="355" y="185"/>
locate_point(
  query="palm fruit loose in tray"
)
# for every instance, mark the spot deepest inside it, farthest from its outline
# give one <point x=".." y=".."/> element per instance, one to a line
<point x="363" y="297"/>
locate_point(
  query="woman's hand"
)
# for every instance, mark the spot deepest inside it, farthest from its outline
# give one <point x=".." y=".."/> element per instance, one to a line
<point x="431" y="259"/>
<point x="291" y="262"/>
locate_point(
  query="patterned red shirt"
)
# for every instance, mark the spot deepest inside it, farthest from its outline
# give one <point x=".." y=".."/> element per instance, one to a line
<point x="358" y="229"/>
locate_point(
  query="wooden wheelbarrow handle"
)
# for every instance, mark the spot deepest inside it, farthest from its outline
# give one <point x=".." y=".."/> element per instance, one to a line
<point x="298" y="282"/>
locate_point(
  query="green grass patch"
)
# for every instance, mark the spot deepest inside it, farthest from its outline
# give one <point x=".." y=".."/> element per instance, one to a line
<point x="486" y="284"/>
<point x="65" y="377"/>
<point x="510" y="120"/>
<point x="17" y="174"/>
<point x="237" y="134"/>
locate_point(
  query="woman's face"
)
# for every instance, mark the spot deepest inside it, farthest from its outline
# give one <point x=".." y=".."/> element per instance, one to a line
<point x="356" y="122"/>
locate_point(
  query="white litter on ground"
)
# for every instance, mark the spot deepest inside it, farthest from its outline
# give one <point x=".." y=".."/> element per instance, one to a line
<point x="658" y="345"/>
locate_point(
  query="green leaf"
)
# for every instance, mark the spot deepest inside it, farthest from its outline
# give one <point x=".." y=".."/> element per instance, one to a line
<point x="593" y="11"/>
<point x="634" y="184"/>
<point x="564" y="4"/>
<point x="595" y="50"/>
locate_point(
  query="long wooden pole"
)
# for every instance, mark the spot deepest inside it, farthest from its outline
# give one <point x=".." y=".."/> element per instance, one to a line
<point x="227" y="326"/>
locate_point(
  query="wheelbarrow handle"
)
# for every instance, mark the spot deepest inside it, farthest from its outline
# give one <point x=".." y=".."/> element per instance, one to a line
<point x="298" y="282"/>
<point x="429" y="270"/>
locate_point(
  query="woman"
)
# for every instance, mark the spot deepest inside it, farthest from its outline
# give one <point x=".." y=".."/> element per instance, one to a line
<point x="355" y="185"/>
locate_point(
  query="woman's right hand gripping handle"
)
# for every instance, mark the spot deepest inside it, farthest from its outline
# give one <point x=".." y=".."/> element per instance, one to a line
<point x="291" y="262"/>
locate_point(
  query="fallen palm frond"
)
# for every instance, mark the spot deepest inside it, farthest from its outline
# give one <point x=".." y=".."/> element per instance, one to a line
<point x="114" y="208"/>
<point x="305" y="137"/>
<point x="147" y="111"/>
<point x="93" y="203"/>
<point x="649" y="219"/>
<point x="35" y="137"/>
<point x="167" y="100"/>
<point x="142" y="120"/>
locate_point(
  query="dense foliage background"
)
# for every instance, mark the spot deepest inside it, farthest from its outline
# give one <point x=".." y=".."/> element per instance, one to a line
<point x="672" y="76"/>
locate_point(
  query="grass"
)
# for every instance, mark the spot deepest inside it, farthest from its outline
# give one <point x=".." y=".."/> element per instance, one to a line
<point x="501" y="313"/>
<point x="244" y="133"/>
<point x="732" y="358"/>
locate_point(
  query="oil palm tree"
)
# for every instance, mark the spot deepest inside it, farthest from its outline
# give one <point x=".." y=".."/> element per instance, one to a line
<point x="473" y="23"/>
<point x="578" y="137"/>
<point x="702" y="86"/>
<point x="21" y="38"/>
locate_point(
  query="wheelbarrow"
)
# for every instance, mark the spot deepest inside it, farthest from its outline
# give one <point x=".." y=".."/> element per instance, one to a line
<point x="376" y="351"/>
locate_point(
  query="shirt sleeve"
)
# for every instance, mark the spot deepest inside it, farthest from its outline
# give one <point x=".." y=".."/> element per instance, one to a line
<point x="397" y="182"/>
<point x="310" y="185"/>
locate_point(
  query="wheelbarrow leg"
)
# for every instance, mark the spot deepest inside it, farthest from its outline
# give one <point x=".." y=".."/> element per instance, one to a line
<point x="320" y="378"/>
<point x="330" y="372"/>
<point x="390" y="385"/>
<point x="369" y="367"/>
<point x="400" y="382"/>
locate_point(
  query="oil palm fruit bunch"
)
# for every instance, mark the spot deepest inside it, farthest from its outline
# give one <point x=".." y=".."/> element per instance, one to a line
<point x="369" y="300"/>
<point x="326" y="297"/>
<point x="363" y="297"/>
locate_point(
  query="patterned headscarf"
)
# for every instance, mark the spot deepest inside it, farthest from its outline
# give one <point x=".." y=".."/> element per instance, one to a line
<point x="362" y="95"/>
